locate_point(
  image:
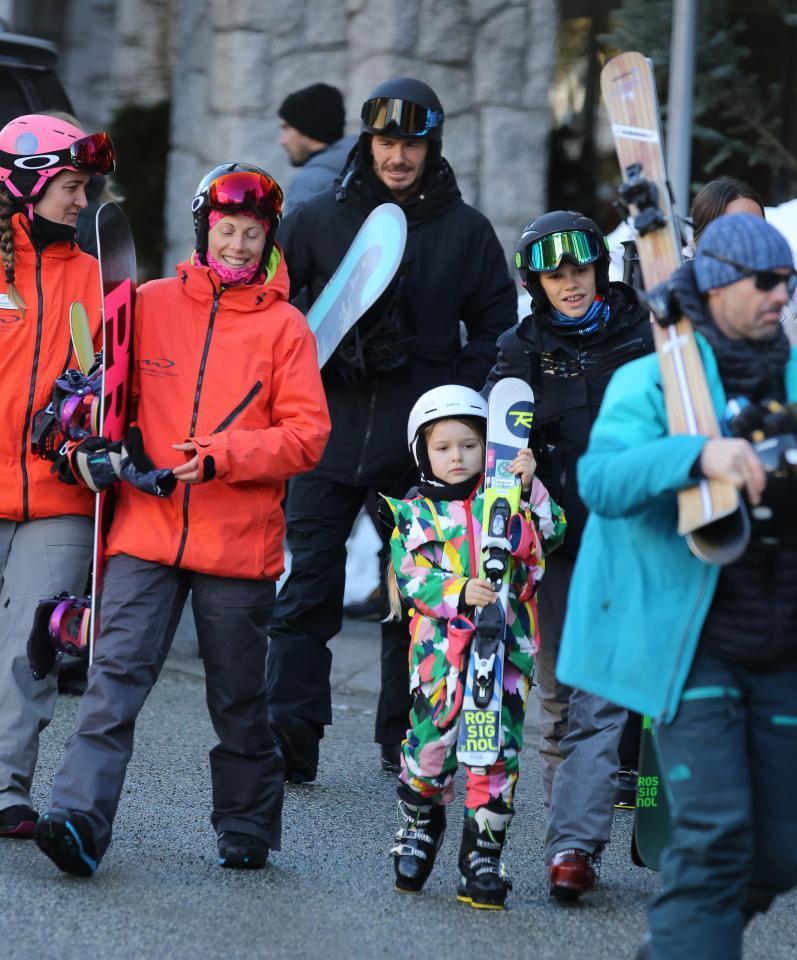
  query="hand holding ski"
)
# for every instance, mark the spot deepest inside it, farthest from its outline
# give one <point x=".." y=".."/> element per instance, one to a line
<point x="509" y="463"/>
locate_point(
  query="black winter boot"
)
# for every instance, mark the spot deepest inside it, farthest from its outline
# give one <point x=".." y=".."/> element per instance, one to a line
<point x="483" y="881"/>
<point x="417" y="842"/>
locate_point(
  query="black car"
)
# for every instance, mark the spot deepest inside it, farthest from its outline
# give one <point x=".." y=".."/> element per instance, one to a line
<point x="28" y="79"/>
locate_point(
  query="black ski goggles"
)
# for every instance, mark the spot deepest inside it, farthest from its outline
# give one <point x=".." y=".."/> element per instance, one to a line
<point x="246" y="190"/>
<point x="546" y="254"/>
<point x="410" y="119"/>
<point x="765" y="280"/>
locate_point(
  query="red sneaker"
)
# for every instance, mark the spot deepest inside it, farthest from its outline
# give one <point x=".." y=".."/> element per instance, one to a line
<point x="571" y="873"/>
<point x="18" y="822"/>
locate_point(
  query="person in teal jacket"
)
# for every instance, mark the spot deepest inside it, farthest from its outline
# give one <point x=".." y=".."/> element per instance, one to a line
<point x="710" y="652"/>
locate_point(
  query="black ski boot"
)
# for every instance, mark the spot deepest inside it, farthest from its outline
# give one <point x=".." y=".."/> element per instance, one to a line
<point x="483" y="881"/>
<point x="417" y="842"/>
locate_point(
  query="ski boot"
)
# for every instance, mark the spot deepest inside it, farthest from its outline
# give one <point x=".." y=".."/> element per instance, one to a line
<point x="417" y="843"/>
<point x="483" y="880"/>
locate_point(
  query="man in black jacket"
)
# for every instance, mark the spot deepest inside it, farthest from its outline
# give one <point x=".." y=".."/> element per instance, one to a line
<point x="453" y="273"/>
<point x="582" y="327"/>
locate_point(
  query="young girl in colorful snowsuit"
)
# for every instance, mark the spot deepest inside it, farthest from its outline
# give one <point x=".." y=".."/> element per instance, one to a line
<point x="45" y="526"/>
<point x="435" y="553"/>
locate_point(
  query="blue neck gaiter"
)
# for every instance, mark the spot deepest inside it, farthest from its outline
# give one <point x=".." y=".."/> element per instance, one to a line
<point x="596" y="317"/>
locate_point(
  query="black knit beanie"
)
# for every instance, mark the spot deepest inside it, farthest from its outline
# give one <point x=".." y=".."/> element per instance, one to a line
<point x="316" y="111"/>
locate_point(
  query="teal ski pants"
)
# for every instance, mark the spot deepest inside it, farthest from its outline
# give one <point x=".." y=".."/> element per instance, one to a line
<point x="729" y="760"/>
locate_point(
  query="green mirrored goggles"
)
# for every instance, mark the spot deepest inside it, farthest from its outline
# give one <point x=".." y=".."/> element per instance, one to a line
<point x="545" y="254"/>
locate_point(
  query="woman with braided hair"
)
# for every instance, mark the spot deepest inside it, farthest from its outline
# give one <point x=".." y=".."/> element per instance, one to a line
<point x="45" y="526"/>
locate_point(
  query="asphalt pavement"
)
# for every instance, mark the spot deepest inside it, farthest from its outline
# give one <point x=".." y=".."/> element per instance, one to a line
<point x="159" y="894"/>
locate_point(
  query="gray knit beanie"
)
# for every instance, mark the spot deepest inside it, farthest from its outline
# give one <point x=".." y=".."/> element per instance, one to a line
<point x="744" y="238"/>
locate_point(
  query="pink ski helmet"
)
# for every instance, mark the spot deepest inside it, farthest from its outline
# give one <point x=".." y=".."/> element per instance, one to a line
<point x="34" y="148"/>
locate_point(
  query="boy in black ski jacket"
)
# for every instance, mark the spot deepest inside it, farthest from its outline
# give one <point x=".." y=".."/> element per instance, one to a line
<point x="581" y="329"/>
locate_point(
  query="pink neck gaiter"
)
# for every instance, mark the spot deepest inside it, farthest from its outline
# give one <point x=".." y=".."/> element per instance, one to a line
<point x="230" y="275"/>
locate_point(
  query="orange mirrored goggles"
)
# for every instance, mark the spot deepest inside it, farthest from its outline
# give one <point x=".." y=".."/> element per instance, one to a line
<point x="248" y="190"/>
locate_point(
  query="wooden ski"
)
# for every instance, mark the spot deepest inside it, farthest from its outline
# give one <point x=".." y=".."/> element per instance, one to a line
<point x="710" y="514"/>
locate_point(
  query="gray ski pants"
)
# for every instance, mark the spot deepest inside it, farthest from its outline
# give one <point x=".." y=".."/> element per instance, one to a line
<point x="585" y="783"/>
<point x="580" y="734"/>
<point x="38" y="559"/>
<point x="141" y="607"/>
<point x="552" y="697"/>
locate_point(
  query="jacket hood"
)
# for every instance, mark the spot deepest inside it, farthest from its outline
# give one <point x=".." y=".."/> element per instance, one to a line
<point x="202" y="283"/>
<point x="334" y="157"/>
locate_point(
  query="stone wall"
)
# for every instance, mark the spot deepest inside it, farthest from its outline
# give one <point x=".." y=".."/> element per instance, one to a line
<point x="489" y="61"/>
<point x="228" y="64"/>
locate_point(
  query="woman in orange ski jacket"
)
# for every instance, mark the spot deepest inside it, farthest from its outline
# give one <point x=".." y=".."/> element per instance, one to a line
<point x="227" y="393"/>
<point x="229" y="372"/>
<point x="45" y="527"/>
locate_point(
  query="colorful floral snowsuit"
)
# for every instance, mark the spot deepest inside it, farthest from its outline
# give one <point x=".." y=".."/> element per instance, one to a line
<point x="435" y="551"/>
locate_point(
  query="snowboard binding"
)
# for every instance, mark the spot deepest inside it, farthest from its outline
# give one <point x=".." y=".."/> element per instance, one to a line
<point x="60" y="626"/>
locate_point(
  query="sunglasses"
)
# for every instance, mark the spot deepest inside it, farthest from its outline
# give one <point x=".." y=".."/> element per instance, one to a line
<point x="765" y="280"/>
<point x="546" y="254"/>
<point x="412" y="119"/>
<point x="248" y="190"/>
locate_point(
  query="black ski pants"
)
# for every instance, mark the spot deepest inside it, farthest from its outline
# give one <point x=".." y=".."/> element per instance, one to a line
<point x="320" y="515"/>
<point x="141" y="607"/>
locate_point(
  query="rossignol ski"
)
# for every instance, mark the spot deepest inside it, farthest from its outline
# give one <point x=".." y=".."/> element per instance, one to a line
<point x="362" y="277"/>
<point x="510" y="413"/>
<point x="652" y="818"/>
<point x="710" y="514"/>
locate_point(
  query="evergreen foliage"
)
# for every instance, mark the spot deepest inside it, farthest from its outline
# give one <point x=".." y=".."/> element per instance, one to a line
<point x="736" y="114"/>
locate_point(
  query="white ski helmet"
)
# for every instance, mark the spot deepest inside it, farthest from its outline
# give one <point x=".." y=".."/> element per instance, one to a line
<point x="451" y="400"/>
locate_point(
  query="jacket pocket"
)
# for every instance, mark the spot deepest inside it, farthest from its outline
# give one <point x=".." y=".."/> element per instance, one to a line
<point x="239" y="408"/>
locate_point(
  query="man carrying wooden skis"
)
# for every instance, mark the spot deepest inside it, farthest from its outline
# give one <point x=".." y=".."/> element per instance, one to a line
<point x="709" y="651"/>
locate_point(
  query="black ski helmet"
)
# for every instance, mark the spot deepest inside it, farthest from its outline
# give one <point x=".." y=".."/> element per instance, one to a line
<point x="268" y="207"/>
<point x="403" y="108"/>
<point x="562" y="221"/>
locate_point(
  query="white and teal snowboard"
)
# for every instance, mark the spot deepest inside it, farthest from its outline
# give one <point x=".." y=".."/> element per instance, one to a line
<point x="362" y="277"/>
<point x="510" y="413"/>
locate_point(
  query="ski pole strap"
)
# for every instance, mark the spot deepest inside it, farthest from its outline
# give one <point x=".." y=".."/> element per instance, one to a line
<point x="459" y="632"/>
<point x="521" y="537"/>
